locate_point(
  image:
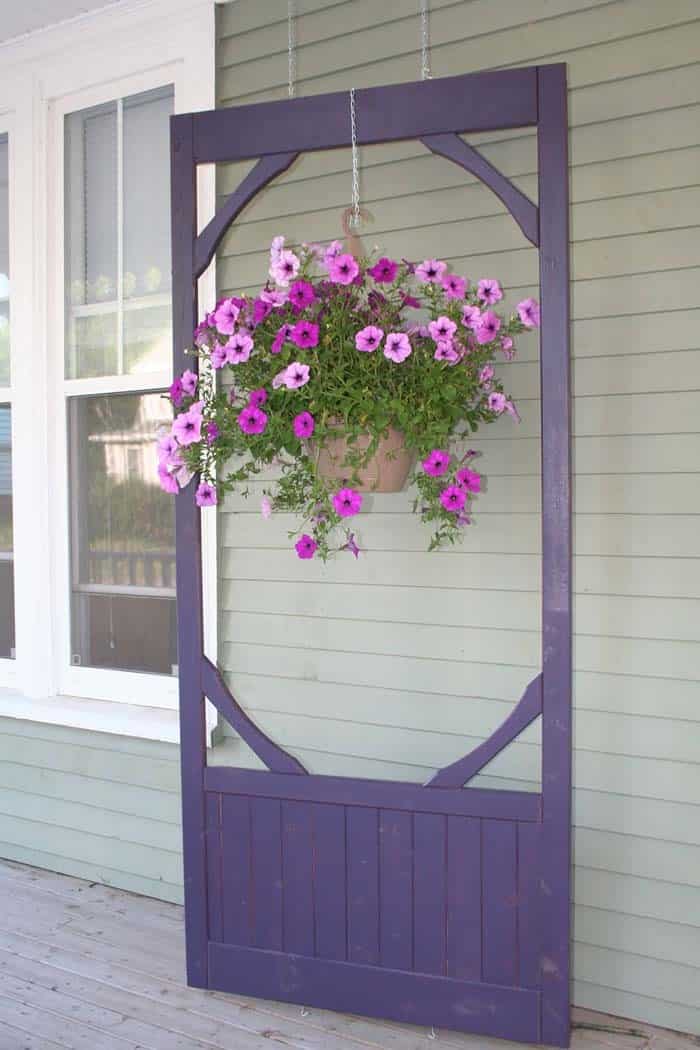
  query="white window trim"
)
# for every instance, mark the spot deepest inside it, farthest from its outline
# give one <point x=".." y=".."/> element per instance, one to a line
<point x="8" y="668"/>
<point x="122" y="51"/>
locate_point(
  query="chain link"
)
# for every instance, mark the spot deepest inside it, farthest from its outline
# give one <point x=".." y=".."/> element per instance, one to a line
<point x="355" y="219"/>
<point x="425" y="71"/>
<point x="291" y="48"/>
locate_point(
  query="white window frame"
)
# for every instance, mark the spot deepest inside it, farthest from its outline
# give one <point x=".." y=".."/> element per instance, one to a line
<point x="8" y="667"/>
<point x="123" y="50"/>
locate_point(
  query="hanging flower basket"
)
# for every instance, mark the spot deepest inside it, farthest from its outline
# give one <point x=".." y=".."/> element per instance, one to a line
<point x="341" y="373"/>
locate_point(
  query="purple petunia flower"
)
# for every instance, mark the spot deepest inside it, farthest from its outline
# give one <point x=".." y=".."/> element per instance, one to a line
<point x="205" y="495"/>
<point x="397" y="347"/>
<point x="471" y="317"/>
<point x="239" y="348"/>
<point x="304" y="334"/>
<point x="445" y="351"/>
<point x="343" y="269"/>
<point x="284" y="267"/>
<point x="347" y="502"/>
<point x="212" y="432"/>
<point x="306" y="546"/>
<point x="486" y="374"/>
<point x="454" y="287"/>
<point x="301" y="294"/>
<point x="295" y="375"/>
<point x="436" y="463"/>
<point x="488" y="327"/>
<point x="468" y="479"/>
<point x="529" y="313"/>
<point x="410" y="300"/>
<point x="453" y="498"/>
<point x="369" y="338"/>
<point x="176" y="393"/>
<point x="442" y="329"/>
<point x="187" y="427"/>
<point x="489" y="291"/>
<point x="261" y="310"/>
<point x="252" y="420"/>
<point x="281" y="338"/>
<point x="274" y="296"/>
<point x="225" y="316"/>
<point x="189" y="382"/>
<point x="512" y="411"/>
<point x="334" y="249"/>
<point x="166" y="480"/>
<point x="351" y="545"/>
<point x="304" y="425"/>
<point x="384" y="270"/>
<point x="167" y="447"/>
<point x="258" y="397"/>
<point x="496" y="402"/>
<point x="431" y="271"/>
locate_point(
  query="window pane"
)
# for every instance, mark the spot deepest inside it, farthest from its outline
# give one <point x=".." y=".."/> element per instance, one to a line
<point x="7" y="593"/>
<point x="4" y="266"/>
<point x="123" y="538"/>
<point x="117" y="223"/>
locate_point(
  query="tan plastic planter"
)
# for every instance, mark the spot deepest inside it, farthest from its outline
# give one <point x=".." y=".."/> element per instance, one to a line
<point x="386" y="471"/>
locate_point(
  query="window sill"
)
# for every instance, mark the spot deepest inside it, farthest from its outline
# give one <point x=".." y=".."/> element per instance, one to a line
<point x="99" y="716"/>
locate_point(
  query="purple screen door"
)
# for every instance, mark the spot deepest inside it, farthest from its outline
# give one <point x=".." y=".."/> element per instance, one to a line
<point x="439" y="904"/>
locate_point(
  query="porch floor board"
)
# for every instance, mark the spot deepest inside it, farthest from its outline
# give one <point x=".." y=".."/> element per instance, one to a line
<point x="87" y="967"/>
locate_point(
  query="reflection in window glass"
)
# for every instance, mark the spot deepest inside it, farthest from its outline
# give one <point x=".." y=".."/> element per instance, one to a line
<point x="7" y="593"/>
<point x="117" y="226"/>
<point x="122" y="536"/>
<point x="4" y="266"/>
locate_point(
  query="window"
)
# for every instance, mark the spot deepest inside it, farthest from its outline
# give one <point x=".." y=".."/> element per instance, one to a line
<point x="117" y="355"/>
<point x="7" y="597"/>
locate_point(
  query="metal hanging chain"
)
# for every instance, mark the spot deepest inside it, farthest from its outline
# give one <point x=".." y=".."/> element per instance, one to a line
<point x="291" y="48"/>
<point x="425" y="71"/>
<point x="355" y="219"/>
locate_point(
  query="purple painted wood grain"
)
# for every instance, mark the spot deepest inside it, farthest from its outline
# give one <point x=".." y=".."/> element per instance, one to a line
<point x="413" y="798"/>
<point x="417" y="998"/>
<point x="275" y="758"/>
<point x="330" y="881"/>
<point x="266" y="872"/>
<point x="520" y="207"/>
<point x="464" y="769"/>
<point x="396" y="889"/>
<point x="464" y="898"/>
<point x="237" y="888"/>
<point x="429" y="893"/>
<point x="531" y="916"/>
<point x="215" y="882"/>
<point x="190" y="637"/>
<point x="478" y="102"/>
<point x="553" y="166"/>
<point x="362" y="828"/>
<point x="499" y="897"/>
<point x="298" y="877"/>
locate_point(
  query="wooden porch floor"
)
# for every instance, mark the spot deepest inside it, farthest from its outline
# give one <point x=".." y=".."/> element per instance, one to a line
<point x="86" y="967"/>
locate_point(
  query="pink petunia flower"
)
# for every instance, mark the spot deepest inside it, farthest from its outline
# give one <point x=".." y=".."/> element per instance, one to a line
<point x="431" y="271"/>
<point x="257" y="397"/>
<point x="301" y="294"/>
<point x="278" y="380"/>
<point x="274" y="296"/>
<point x="304" y="425"/>
<point x="166" y="480"/>
<point x="512" y="411"/>
<point x="238" y="348"/>
<point x="507" y="347"/>
<point x="167" y="446"/>
<point x="281" y="338"/>
<point x="266" y="507"/>
<point x="397" y="347"/>
<point x="296" y="375"/>
<point x="176" y="393"/>
<point x="276" y="247"/>
<point x="486" y="374"/>
<point x="334" y="249"/>
<point x="469" y="479"/>
<point x="489" y="291"/>
<point x="347" y="502"/>
<point x="442" y="329"/>
<point x="488" y="328"/>
<point x="454" y="287"/>
<point x="205" y="496"/>
<point x="284" y="268"/>
<point x="529" y="313"/>
<point x="225" y="316"/>
<point x="384" y="270"/>
<point x="369" y="338"/>
<point x="445" y="351"/>
<point x="436" y="463"/>
<point x="306" y="546"/>
<point x="343" y="269"/>
<point x="304" y="334"/>
<point x="496" y="402"/>
<point x="187" y="427"/>
<point x="252" y="420"/>
<point x="471" y="317"/>
<point x="189" y="382"/>
<point x="453" y="498"/>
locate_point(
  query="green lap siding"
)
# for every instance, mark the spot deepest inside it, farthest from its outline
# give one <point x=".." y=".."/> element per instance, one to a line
<point x="395" y="664"/>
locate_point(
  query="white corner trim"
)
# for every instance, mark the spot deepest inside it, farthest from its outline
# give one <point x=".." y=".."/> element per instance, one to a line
<point x="99" y="716"/>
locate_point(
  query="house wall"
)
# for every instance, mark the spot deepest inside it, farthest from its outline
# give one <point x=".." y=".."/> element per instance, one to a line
<point x="400" y="662"/>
